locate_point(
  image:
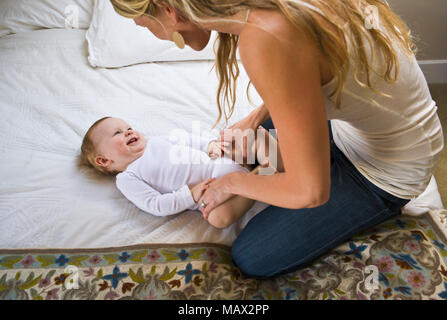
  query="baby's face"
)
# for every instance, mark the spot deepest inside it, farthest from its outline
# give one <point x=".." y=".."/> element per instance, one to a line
<point x="115" y="140"/>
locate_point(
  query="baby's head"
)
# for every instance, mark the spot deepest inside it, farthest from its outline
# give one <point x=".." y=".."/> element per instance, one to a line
<point x="110" y="145"/>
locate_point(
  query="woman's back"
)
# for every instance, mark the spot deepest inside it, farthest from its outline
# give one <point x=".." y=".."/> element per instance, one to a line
<point x="395" y="138"/>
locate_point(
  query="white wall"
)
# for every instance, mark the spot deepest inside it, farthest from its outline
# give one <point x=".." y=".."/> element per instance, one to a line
<point x="428" y="21"/>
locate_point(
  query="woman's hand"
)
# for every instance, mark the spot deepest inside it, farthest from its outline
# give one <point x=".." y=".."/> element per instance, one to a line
<point x="216" y="148"/>
<point x="239" y="134"/>
<point x="216" y="194"/>
<point x="229" y="134"/>
<point x="198" y="190"/>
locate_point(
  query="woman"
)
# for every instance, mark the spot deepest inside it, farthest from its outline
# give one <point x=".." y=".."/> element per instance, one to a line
<point x="350" y="62"/>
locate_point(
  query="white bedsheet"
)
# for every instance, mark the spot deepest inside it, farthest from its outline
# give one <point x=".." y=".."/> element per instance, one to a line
<point x="49" y="96"/>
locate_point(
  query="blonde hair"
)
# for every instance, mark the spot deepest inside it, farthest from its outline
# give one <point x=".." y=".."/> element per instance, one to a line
<point x="347" y="17"/>
<point x="89" y="152"/>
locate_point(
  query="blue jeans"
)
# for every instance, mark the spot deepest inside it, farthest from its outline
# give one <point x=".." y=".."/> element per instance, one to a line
<point x="279" y="240"/>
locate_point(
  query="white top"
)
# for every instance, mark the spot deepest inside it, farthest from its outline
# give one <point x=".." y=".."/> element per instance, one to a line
<point x="159" y="181"/>
<point x="395" y="142"/>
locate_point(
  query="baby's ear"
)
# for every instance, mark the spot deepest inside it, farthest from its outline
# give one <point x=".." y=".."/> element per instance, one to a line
<point x="102" y="161"/>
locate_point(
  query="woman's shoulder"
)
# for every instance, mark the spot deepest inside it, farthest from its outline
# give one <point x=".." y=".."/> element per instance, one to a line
<point x="269" y="32"/>
<point x="267" y="21"/>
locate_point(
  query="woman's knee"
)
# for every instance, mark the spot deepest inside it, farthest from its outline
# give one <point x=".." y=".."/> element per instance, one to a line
<point x="260" y="249"/>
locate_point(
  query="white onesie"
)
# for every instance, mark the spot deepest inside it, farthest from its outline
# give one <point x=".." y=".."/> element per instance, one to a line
<point x="159" y="181"/>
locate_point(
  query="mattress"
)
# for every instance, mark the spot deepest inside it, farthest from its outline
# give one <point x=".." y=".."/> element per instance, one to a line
<point x="49" y="96"/>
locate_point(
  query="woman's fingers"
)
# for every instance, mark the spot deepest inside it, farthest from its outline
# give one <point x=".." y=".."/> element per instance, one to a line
<point x="207" y="209"/>
<point x="226" y="134"/>
<point x="205" y="186"/>
<point x="205" y="212"/>
<point x="209" y="203"/>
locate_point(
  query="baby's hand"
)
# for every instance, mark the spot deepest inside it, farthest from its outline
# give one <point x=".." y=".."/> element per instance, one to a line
<point x="198" y="190"/>
<point x="216" y="148"/>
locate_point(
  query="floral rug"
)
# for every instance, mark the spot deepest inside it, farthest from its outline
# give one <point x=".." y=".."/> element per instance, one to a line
<point x="404" y="258"/>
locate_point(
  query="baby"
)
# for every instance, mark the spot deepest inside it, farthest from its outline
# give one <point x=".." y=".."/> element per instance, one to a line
<point x="165" y="175"/>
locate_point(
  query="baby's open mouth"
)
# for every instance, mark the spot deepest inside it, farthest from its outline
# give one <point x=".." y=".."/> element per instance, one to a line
<point x="132" y="141"/>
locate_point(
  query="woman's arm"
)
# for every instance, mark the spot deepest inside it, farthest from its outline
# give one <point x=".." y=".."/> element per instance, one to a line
<point x="252" y="121"/>
<point x="259" y="116"/>
<point x="183" y="138"/>
<point x="291" y="89"/>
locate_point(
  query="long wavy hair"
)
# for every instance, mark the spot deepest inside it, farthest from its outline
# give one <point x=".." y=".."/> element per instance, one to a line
<point x="348" y="19"/>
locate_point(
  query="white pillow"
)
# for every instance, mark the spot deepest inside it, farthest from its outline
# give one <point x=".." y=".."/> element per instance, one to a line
<point x="27" y="15"/>
<point x="115" y="41"/>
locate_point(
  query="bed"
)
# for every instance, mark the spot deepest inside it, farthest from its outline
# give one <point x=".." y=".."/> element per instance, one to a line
<point x="59" y="219"/>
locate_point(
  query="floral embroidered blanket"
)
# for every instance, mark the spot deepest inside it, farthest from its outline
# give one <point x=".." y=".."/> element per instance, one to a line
<point x="404" y="258"/>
